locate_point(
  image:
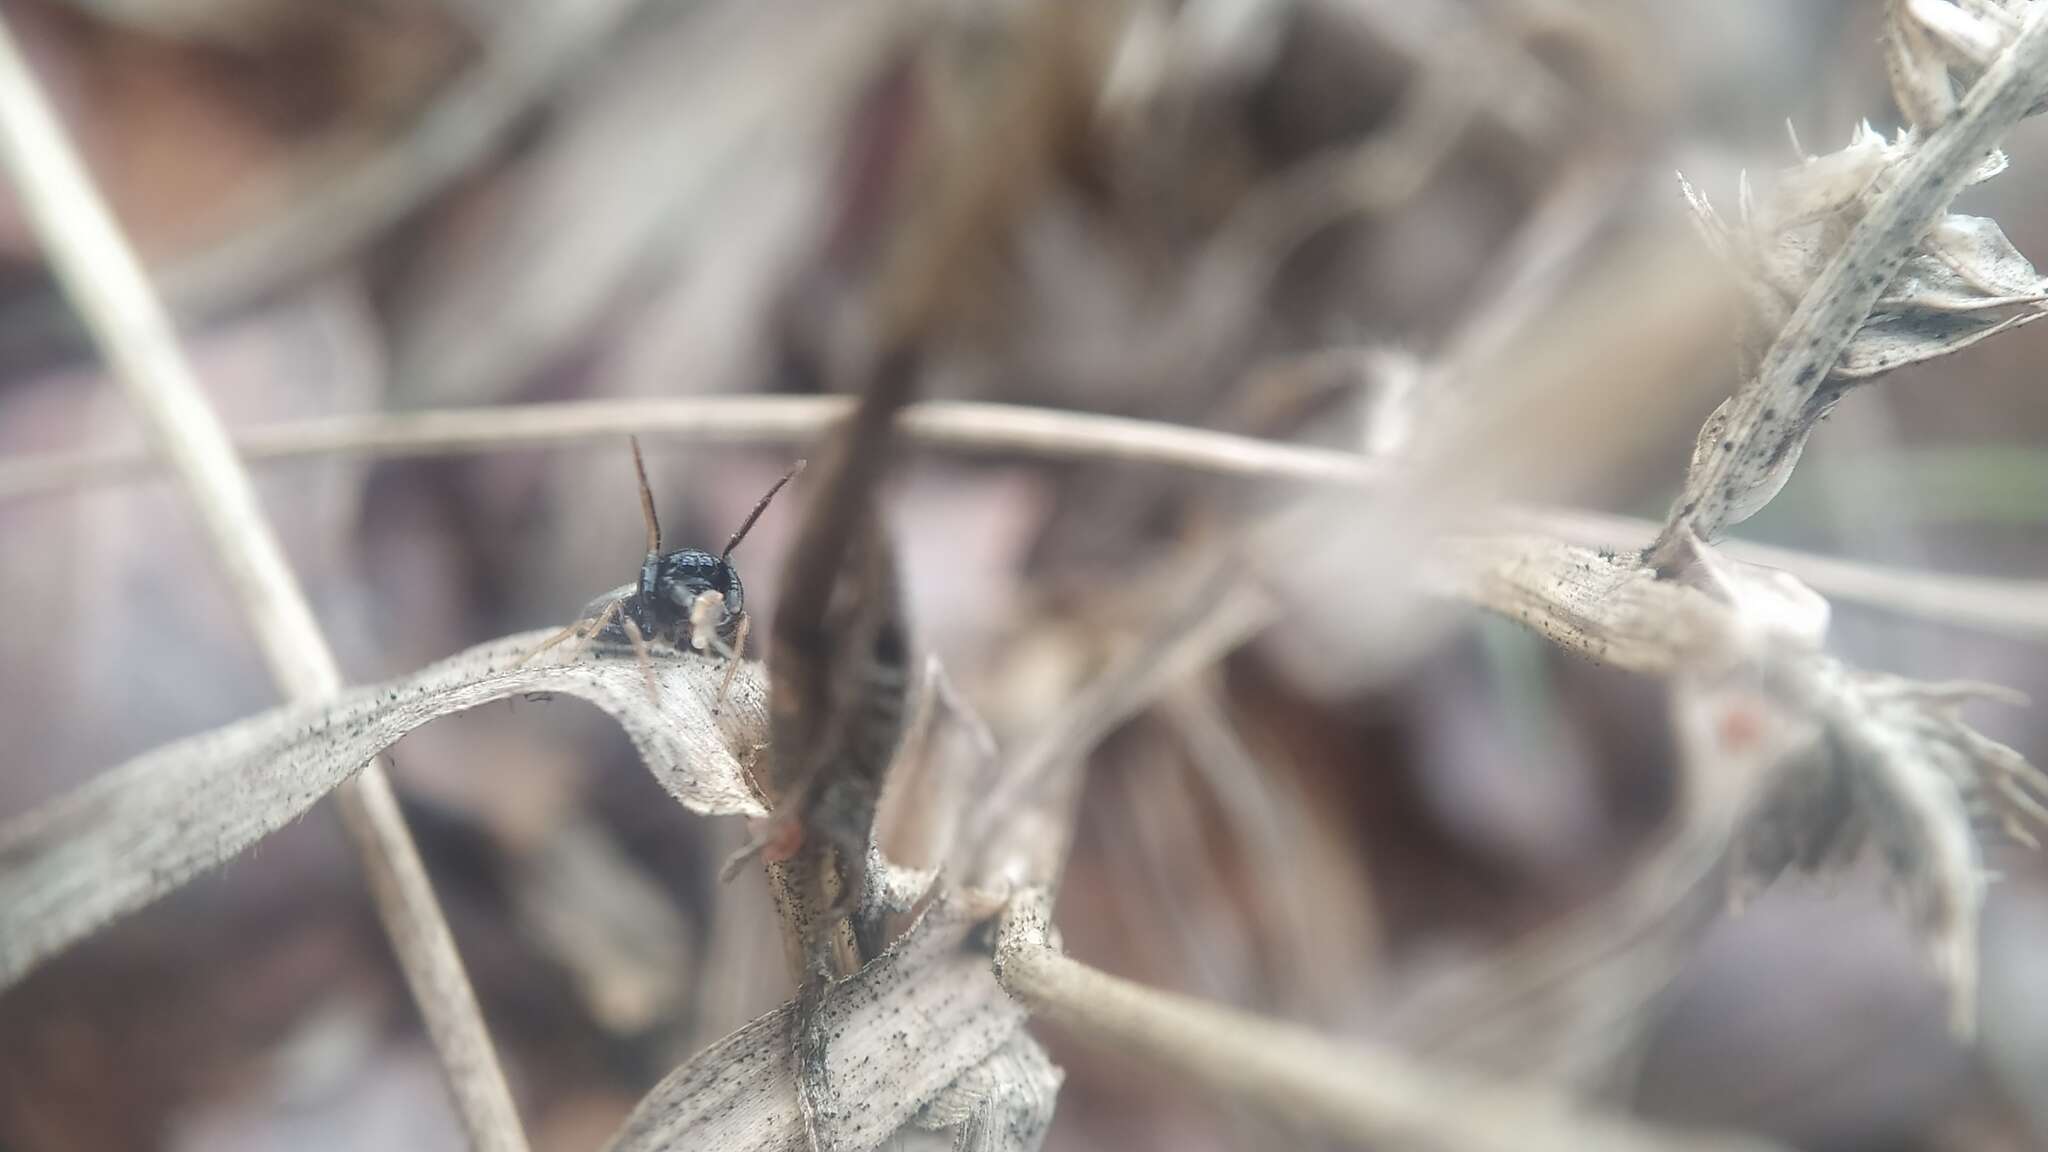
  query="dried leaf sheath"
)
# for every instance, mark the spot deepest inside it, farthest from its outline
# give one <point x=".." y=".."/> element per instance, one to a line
<point x="906" y="1027"/>
<point x="146" y="827"/>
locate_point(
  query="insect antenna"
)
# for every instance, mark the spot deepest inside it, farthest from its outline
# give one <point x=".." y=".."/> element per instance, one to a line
<point x="647" y="500"/>
<point x="759" y="508"/>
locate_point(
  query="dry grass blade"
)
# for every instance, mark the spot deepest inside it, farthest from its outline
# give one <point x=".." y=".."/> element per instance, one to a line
<point x="740" y="1093"/>
<point x="1761" y="428"/>
<point x="962" y="425"/>
<point x="1360" y="1095"/>
<point x="1267" y="823"/>
<point x="148" y="826"/>
<point x="2011" y="607"/>
<point x="1004" y="1104"/>
<point x="904" y="1028"/>
<point x="2015" y="608"/>
<point x="1604" y="607"/>
<point x="104" y="279"/>
<point x="1236" y="664"/>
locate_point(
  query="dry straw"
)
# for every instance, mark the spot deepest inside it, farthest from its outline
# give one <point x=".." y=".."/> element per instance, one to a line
<point x="105" y="282"/>
<point x="1789" y="757"/>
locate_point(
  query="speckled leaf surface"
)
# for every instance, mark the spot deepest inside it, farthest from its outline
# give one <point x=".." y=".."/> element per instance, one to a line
<point x="899" y="1033"/>
<point x="1003" y="1104"/>
<point x="149" y="825"/>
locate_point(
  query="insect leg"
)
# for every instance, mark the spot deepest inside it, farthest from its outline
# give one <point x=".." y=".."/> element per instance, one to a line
<point x="573" y="631"/>
<point x="646" y="660"/>
<point x="778" y="843"/>
<point x="598" y="622"/>
<point x="580" y="630"/>
<point x="550" y="642"/>
<point x="732" y="661"/>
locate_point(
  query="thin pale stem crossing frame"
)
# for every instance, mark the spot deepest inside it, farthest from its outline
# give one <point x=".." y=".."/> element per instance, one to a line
<point x="2008" y="607"/>
<point x="128" y="323"/>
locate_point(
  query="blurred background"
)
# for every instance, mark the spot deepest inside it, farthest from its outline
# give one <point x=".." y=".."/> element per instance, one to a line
<point x="1294" y="218"/>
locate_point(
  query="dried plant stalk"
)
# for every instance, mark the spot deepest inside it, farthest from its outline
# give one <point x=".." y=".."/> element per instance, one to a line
<point x="1740" y="466"/>
<point x="1005" y="1104"/>
<point x="1363" y="1095"/>
<point x="105" y="280"/>
<point x="964" y="1063"/>
<point x="967" y="425"/>
<point x="1605" y="607"/>
<point x="2010" y="607"/>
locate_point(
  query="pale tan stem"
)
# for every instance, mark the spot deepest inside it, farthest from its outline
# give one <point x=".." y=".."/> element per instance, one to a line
<point x="105" y="282"/>
<point x="2014" y="607"/>
<point x="1362" y="1095"/>
<point x="1037" y="432"/>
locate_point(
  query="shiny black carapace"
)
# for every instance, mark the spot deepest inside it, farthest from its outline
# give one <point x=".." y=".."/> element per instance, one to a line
<point x="685" y="598"/>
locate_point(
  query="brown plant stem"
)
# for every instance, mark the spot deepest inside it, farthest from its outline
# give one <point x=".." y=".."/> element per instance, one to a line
<point x="101" y="275"/>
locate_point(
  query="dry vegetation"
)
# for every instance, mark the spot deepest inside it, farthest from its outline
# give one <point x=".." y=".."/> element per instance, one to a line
<point x="1221" y="682"/>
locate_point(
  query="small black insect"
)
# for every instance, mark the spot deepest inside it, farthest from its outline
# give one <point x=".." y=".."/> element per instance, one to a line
<point x="685" y="598"/>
